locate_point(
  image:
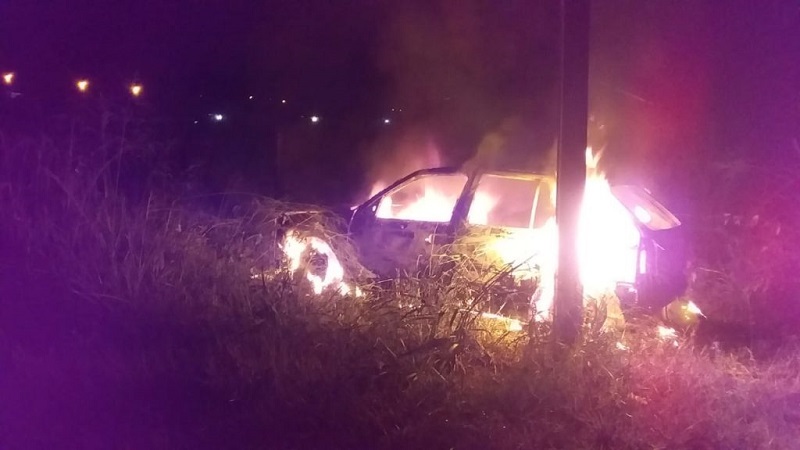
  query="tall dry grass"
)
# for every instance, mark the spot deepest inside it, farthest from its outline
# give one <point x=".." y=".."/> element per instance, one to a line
<point x="158" y="336"/>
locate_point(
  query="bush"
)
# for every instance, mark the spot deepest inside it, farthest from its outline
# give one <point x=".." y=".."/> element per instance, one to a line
<point x="745" y="265"/>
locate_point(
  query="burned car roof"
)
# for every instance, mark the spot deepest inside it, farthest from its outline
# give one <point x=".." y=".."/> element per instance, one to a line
<point x="646" y="211"/>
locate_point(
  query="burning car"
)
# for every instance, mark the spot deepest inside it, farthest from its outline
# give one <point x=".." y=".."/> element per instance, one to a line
<point x="629" y="243"/>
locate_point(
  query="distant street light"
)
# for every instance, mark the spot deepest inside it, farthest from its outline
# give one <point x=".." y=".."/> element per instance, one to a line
<point x="387" y="121"/>
<point x="8" y="78"/>
<point x="82" y="85"/>
<point x="218" y="117"/>
<point x="314" y="119"/>
<point x="136" y="89"/>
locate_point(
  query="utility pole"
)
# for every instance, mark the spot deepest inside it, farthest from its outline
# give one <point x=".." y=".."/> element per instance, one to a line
<point x="571" y="172"/>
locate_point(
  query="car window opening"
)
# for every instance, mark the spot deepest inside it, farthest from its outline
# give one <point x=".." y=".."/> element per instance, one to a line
<point x="428" y="198"/>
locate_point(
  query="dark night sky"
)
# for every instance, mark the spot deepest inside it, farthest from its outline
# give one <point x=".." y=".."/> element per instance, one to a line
<point x="234" y="46"/>
<point x="678" y="82"/>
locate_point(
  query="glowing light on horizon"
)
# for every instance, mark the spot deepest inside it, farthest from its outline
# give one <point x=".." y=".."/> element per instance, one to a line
<point x="82" y="85"/>
<point x="314" y="119"/>
<point x="136" y="89"/>
<point x="218" y="117"/>
<point x="387" y="121"/>
<point x="8" y="78"/>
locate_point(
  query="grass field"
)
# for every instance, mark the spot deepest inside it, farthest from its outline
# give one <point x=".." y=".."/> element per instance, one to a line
<point x="134" y="321"/>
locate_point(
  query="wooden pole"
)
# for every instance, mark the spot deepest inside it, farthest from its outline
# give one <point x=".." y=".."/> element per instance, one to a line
<point x="571" y="175"/>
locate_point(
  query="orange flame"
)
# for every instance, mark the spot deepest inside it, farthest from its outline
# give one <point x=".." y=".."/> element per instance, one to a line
<point x="607" y="240"/>
<point x="295" y="248"/>
<point x="607" y="236"/>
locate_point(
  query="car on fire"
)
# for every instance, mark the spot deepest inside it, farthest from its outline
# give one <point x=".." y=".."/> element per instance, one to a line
<point x="630" y="244"/>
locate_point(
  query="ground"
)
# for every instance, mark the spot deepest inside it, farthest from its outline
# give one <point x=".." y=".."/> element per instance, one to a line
<point x="223" y="362"/>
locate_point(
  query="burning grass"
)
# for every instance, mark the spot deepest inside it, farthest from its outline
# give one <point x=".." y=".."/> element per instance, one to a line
<point x="140" y="324"/>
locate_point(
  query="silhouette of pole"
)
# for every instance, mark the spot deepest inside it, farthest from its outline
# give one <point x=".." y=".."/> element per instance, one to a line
<point x="571" y="175"/>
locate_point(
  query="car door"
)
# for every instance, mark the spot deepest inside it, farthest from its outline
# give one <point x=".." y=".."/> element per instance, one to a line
<point x="400" y="228"/>
<point x="513" y="216"/>
<point x="510" y="237"/>
<point x="661" y="272"/>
